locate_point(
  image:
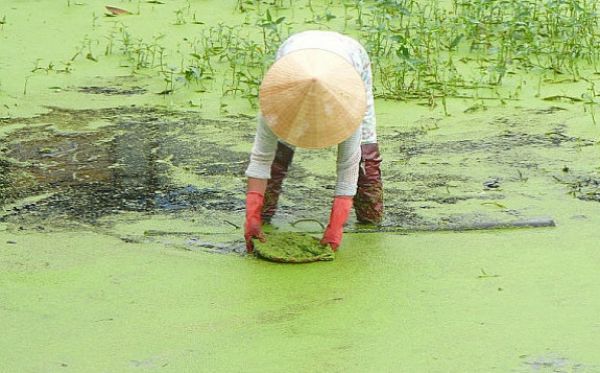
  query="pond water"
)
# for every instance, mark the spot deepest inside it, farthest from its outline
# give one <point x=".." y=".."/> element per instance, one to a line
<point x="121" y="212"/>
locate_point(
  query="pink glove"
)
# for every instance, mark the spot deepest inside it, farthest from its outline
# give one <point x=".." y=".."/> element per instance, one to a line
<point x="339" y="214"/>
<point x="253" y="226"/>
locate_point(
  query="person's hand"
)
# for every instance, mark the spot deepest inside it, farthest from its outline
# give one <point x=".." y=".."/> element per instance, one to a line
<point x="253" y="225"/>
<point x="339" y="214"/>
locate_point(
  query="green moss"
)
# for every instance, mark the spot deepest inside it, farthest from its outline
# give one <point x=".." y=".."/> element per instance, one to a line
<point x="292" y="247"/>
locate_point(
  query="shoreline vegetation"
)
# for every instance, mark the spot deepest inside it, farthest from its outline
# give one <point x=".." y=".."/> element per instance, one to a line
<point x="427" y="51"/>
<point x="420" y="50"/>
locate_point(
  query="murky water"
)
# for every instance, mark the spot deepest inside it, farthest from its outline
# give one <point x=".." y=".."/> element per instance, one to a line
<point x="123" y="166"/>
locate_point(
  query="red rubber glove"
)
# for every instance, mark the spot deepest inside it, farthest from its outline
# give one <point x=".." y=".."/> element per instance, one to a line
<point x="339" y="214"/>
<point x="253" y="226"/>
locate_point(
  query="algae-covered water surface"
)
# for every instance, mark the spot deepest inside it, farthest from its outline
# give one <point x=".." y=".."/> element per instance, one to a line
<point x="125" y="132"/>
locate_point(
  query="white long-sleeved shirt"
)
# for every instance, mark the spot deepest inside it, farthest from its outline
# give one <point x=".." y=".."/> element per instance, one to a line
<point x="348" y="154"/>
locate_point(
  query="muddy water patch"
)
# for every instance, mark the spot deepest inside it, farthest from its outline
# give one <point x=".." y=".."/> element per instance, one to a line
<point x="124" y="166"/>
<point x="189" y="241"/>
<point x="155" y="161"/>
<point x="507" y="141"/>
<point x="135" y="162"/>
<point x="488" y="169"/>
<point x="585" y="187"/>
<point x="112" y="91"/>
<point x="554" y="363"/>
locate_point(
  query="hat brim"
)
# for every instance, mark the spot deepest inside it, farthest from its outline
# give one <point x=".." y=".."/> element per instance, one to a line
<point x="312" y="98"/>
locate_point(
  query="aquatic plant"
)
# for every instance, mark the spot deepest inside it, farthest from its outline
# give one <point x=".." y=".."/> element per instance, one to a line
<point x="293" y="247"/>
<point x="590" y="100"/>
<point x="425" y="50"/>
<point x="86" y="49"/>
<point x="271" y="31"/>
<point x="180" y="17"/>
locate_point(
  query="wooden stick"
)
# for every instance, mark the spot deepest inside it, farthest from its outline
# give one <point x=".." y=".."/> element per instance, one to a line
<point x="539" y="222"/>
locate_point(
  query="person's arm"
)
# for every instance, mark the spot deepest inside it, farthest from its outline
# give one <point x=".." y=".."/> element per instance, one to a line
<point x="262" y="153"/>
<point x="348" y="159"/>
<point x="258" y="173"/>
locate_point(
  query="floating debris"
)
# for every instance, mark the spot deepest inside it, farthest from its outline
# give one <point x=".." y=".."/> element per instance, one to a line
<point x="114" y="11"/>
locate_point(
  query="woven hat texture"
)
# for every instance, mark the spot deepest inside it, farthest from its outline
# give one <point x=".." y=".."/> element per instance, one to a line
<point x="312" y="98"/>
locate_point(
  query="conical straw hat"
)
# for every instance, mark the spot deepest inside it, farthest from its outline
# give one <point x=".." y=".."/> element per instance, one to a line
<point x="312" y="98"/>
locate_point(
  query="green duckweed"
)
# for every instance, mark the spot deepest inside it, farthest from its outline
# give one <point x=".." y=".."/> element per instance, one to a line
<point x="292" y="247"/>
